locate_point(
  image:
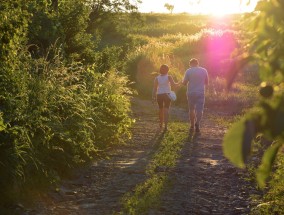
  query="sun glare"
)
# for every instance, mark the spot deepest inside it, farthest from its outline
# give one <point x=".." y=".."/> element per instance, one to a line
<point x="216" y="8"/>
<point x="220" y="8"/>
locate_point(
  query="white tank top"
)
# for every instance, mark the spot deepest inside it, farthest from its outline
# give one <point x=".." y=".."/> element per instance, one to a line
<point x="164" y="85"/>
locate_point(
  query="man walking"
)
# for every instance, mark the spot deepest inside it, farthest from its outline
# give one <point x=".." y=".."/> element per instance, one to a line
<point x="195" y="78"/>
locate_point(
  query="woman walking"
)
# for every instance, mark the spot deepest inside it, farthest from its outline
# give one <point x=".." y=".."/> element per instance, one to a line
<point x="161" y="89"/>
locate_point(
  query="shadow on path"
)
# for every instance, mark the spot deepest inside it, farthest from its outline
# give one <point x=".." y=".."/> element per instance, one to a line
<point x="204" y="182"/>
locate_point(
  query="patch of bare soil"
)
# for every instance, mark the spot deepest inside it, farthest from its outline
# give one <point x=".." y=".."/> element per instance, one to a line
<point x="203" y="182"/>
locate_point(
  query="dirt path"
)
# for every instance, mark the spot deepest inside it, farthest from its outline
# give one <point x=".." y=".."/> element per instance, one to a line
<point x="203" y="182"/>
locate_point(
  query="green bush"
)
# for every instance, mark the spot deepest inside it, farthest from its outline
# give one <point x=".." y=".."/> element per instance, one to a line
<point x="272" y="202"/>
<point x="109" y="58"/>
<point x="62" y="117"/>
<point x="55" y="113"/>
<point x="67" y="25"/>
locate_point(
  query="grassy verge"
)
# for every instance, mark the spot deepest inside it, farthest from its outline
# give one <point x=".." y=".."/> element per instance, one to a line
<point x="272" y="202"/>
<point x="147" y="195"/>
<point x="225" y="121"/>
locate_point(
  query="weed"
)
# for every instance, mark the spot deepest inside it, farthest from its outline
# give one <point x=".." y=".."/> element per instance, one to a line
<point x="272" y="201"/>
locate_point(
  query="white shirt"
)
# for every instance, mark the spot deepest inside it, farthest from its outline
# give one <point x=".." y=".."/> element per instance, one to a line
<point x="164" y="85"/>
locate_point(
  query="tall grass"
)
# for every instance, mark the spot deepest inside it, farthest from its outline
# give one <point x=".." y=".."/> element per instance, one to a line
<point x="176" y="50"/>
<point x="143" y="64"/>
<point x="62" y="117"/>
<point x="272" y="202"/>
<point x="159" y="30"/>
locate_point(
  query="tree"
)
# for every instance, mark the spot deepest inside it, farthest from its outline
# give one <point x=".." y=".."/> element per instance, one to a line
<point x="169" y="7"/>
<point x="265" y="48"/>
<point x="76" y="25"/>
<point x="103" y="10"/>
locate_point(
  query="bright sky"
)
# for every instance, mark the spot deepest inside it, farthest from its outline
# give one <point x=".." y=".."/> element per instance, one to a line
<point x="214" y="7"/>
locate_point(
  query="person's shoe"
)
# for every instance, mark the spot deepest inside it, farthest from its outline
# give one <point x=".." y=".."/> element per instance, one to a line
<point x="197" y="130"/>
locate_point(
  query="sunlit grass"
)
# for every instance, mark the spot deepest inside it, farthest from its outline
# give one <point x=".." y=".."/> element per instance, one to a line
<point x="147" y="195"/>
<point x="272" y="202"/>
<point x="224" y="121"/>
<point x="174" y="50"/>
<point x="240" y="93"/>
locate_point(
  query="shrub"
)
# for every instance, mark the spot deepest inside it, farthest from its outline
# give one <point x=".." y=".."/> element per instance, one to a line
<point x="62" y="116"/>
<point x="54" y="115"/>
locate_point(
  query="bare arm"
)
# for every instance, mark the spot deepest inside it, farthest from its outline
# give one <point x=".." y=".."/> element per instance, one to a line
<point x="206" y="82"/>
<point x="172" y="82"/>
<point x="185" y="80"/>
<point x="155" y="87"/>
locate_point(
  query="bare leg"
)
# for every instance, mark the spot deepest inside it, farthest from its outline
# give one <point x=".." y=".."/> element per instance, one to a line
<point x="198" y="117"/>
<point x="192" y="118"/>
<point x="166" y="117"/>
<point x="161" y="116"/>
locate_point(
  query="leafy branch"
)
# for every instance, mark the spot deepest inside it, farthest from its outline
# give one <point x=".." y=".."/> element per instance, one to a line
<point x="265" y="49"/>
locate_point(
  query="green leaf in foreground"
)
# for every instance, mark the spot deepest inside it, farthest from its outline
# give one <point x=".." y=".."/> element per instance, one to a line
<point x="237" y="142"/>
<point x="266" y="164"/>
